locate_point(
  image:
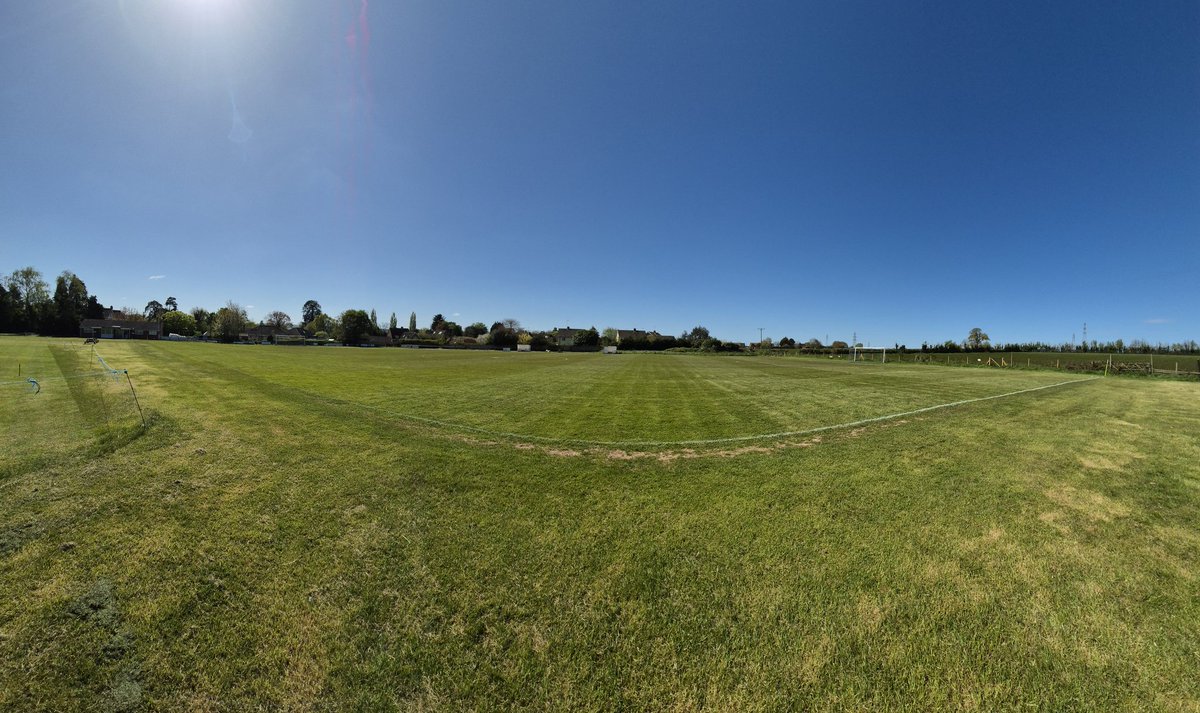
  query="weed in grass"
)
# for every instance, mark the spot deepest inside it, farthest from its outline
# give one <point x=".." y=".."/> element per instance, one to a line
<point x="14" y="538"/>
<point x="97" y="605"/>
<point x="125" y="694"/>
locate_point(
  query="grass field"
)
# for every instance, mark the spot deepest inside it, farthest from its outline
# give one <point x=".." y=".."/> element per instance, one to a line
<point x="1164" y="364"/>
<point x="322" y="528"/>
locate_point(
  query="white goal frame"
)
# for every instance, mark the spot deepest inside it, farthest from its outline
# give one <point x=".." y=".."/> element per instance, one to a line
<point x="856" y="351"/>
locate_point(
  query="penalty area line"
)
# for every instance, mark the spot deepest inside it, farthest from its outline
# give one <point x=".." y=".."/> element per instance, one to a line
<point x="717" y="441"/>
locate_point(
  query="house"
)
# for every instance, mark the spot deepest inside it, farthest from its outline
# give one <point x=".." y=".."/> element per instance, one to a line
<point x="119" y="329"/>
<point x="270" y="333"/>
<point x="565" y="336"/>
<point x="636" y="335"/>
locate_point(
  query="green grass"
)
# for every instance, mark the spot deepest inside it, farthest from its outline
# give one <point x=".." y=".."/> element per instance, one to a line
<point x="293" y="531"/>
<point x="1185" y="364"/>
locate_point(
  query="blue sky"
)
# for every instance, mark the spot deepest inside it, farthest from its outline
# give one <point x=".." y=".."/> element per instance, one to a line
<point x="905" y="171"/>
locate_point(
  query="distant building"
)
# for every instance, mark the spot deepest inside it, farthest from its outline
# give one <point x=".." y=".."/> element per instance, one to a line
<point x="119" y="329"/>
<point x="565" y="336"/>
<point x="636" y="335"/>
<point x="269" y="333"/>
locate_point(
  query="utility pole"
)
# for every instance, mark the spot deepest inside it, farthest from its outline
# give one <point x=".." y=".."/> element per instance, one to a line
<point x="760" y="331"/>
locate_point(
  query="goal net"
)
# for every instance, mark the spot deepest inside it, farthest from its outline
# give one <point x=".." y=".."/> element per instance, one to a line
<point x="869" y="354"/>
<point x="59" y="400"/>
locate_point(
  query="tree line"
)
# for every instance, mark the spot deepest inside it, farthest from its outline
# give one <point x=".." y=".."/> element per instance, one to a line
<point x="27" y="305"/>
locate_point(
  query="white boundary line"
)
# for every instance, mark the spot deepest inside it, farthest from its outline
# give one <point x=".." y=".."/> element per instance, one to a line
<point x="713" y="441"/>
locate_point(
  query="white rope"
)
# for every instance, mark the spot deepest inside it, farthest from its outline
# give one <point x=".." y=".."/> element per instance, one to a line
<point x="709" y="441"/>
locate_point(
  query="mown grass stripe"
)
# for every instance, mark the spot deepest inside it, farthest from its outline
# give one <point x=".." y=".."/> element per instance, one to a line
<point x="710" y="441"/>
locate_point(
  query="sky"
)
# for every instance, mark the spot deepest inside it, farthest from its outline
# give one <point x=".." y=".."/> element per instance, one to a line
<point x="899" y="171"/>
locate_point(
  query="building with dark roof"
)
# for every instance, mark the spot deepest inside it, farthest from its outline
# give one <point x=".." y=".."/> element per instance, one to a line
<point x="119" y="329"/>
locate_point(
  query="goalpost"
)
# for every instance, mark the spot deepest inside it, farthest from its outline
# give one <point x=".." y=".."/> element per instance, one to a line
<point x="869" y="354"/>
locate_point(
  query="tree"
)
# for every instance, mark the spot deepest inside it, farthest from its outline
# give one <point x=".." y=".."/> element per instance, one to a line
<point x="31" y="298"/>
<point x="374" y="321"/>
<point x="356" y="326"/>
<point x="70" y="304"/>
<point x="608" y="337"/>
<point x="310" y="310"/>
<point x="697" y="336"/>
<point x="813" y="343"/>
<point x="322" y="324"/>
<point x="502" y="336"/>
<point x="412" y="322"/>
<point x="229" y="322"/>
<point x="279" y="320"/>
<point x="839" y="344"/>
<point x="587" y="338"/>
<point x="475" y="329"/>
<point x="7" y="310"/>
<point x="171" y="304"/>
<point x="94" y="309"/>
<point x="511" y="325"/>
<point x="438" y="323"/>
<point x="977" y="338"/>
<point x="787" y="342"/>
<point x="203" y="319"/>
<point x="154" y="310"/>
<point x="176" y="322"/>
<point x="392" y="323"/>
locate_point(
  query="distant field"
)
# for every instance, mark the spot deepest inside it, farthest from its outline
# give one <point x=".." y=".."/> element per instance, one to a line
<point x="316" y="528"/>
<point x="1189" y="363"/>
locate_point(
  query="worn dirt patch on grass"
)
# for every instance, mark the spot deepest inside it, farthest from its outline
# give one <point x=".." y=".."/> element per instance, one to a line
<point x="1090" y="504"/>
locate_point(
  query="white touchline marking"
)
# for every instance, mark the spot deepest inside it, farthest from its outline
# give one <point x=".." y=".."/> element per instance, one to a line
<point x="715" y="441"/>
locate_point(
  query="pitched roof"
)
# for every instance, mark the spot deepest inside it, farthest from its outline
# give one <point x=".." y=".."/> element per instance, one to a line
<point x="635" y="334"/>
<point x="122" y="323"/>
